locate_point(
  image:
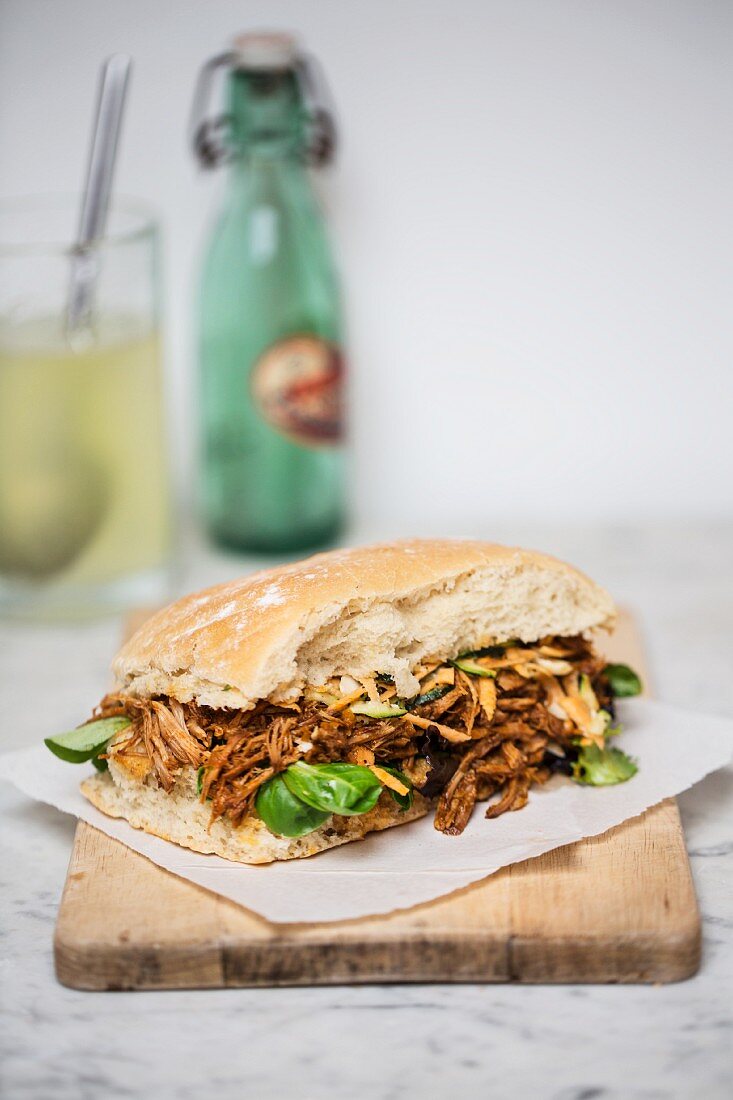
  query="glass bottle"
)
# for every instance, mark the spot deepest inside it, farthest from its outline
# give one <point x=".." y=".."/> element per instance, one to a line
<point x="271" y="367"/>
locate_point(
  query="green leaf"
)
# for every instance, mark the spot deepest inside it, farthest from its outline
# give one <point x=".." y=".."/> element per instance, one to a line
<point x="623" y="680"/>
<point x="87" y="741"/>
<point x="404" y="801"/>
<point x="99" y="764"/>
<point x="346" y="789"/>
<point x="603" y="767"/>
<point x="283" y="813"/>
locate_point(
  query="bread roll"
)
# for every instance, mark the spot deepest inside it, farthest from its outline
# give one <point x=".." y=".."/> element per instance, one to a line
<point x="380" y="609"/>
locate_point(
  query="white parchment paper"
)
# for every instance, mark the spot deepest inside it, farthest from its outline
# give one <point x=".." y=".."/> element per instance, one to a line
<point x="405" y="866"/>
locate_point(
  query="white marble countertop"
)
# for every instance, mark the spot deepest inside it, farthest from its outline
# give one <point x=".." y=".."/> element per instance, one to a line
<point x="378" y="1042"/>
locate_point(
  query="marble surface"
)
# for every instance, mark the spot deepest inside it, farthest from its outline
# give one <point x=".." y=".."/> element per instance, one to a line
<point x="378" y="1042"/>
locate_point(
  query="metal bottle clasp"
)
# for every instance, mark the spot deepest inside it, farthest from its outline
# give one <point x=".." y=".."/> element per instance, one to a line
<point x="207" y="134"/>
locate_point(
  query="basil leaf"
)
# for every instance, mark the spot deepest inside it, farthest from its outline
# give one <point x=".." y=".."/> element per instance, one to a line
<point x="404" y="801"/>
<point x="87" y="741"/>
<point x="346" y="789"/>
<point x="603" y="767"/>
<point x="623" y="680"/>
<point x="285" y="814"/>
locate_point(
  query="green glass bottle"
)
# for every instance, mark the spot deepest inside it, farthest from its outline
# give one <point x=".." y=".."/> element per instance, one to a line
<point x="271" y="364"/>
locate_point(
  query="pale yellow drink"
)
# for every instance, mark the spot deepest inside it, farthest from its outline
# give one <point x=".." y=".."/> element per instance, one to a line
<point x="83" y="469"/>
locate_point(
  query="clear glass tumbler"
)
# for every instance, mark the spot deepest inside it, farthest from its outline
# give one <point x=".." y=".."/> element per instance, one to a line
<point x="85" y="519"/>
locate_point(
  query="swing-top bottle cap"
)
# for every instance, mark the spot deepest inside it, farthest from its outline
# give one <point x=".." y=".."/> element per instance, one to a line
<point x="264" y="51"/>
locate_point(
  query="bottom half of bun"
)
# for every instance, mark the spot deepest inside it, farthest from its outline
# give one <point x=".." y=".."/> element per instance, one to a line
<point x="179" y="816"/>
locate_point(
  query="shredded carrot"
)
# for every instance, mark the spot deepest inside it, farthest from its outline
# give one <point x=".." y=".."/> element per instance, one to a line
<point x="447" y="732"/>
<point x="360" y="754"/>
<point x="346" y="701"/>
<point x="487" y="697"/>
<point x="369" y="685"/>
<point x="388" y="780"/>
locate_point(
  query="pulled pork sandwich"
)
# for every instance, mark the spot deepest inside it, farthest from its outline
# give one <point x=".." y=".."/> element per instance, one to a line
<point x="307" y="705"/>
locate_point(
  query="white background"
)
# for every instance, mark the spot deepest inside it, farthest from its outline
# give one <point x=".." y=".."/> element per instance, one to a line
<point x="532" y="214"/>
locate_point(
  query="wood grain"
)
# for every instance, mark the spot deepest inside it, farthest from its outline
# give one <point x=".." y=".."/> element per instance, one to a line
<point x="616" y="908"/>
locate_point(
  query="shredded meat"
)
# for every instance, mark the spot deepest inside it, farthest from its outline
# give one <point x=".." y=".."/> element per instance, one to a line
<point x="483" y="739"/>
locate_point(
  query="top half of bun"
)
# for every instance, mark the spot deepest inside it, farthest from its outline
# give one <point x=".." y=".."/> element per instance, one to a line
<point x="373" y="609"/>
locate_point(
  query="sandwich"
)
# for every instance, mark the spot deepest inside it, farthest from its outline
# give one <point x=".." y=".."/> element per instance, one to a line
<point x="307" y="705"/>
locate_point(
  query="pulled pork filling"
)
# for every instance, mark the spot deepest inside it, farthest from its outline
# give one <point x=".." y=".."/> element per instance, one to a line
<point x="488" y="725"/>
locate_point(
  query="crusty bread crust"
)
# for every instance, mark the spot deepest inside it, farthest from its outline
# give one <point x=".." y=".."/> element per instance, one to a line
<point x="183" y="819"/>
<point x="380" y="608"/>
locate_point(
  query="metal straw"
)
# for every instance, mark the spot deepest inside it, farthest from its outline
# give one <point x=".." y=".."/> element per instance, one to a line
<point x="113" y="80"/>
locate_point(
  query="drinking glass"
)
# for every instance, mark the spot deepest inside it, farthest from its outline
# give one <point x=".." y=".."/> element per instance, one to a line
<point x="85" y="519"/>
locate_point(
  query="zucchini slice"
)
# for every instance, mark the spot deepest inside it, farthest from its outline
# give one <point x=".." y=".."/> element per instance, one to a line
<point x="430" y="696"/>
<point x="379" y="710"/>
<point x="473" y="668"/>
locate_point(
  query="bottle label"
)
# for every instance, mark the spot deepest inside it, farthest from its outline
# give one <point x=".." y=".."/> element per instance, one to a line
<point x="297" y="386"/>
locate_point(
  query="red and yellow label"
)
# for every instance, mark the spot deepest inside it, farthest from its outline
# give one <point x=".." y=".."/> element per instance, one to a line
<point x="297" y="385"/>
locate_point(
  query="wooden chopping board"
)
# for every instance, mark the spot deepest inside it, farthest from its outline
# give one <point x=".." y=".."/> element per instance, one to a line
<point x="620" y="907"/>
